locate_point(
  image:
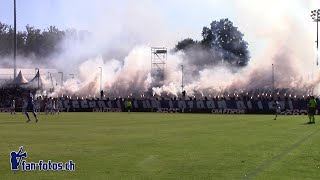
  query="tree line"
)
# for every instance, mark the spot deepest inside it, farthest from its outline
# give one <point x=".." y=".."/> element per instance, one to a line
<point x="33" y="41"/>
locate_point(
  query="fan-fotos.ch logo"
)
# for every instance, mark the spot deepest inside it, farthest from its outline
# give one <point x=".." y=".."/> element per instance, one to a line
<point x="18" y="163"/>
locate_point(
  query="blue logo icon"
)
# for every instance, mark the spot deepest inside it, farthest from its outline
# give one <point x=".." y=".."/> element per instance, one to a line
<point x="18" y="163"/>
<point x="16" y="158"/>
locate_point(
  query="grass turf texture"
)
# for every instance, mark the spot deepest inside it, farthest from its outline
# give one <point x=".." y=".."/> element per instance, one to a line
<point x="164" y="146"/>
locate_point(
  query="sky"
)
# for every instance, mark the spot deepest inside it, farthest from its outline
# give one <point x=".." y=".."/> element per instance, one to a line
<point x="79" y="14"/>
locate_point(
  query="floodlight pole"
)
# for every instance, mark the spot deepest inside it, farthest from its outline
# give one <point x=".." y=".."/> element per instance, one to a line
<point x="100" y="78"/>
<point x="318" y="14"/>
<point x="14" y="39"/>
<point x="315" y="15"/>
<point x="272" y="80"/>
<point x="317" y="20"/>
<point x="182" y="86"/>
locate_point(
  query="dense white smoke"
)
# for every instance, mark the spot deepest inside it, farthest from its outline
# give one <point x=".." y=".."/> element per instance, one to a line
<point x="279" y="33"/>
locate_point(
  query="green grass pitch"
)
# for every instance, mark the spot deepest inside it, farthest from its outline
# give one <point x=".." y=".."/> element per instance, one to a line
<point x="164" y="146"/>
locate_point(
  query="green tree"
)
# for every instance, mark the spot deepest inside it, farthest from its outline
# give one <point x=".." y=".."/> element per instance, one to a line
<point x="228" y="39"/>
<point x="222" y="42"/>
<point x="184" y="44"/>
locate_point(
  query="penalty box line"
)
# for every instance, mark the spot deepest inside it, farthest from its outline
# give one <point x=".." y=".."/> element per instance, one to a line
<point x="278" y="156"/>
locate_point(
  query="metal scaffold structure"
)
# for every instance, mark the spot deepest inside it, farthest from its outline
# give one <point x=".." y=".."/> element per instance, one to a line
<point x="158" y="61"/>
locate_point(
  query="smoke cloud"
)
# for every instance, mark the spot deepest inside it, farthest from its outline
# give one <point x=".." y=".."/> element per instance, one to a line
<point x="279" y="33"/>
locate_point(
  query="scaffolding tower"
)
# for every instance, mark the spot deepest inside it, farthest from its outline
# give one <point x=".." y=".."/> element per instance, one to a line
<point x="158" y="61"/>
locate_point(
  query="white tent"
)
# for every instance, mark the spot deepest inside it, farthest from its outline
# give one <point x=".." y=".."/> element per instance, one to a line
<point x="37" y="80"/>
<point x="20" y="79"/>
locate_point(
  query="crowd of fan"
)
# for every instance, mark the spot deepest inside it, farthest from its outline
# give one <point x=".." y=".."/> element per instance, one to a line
<point x="233" y="97"/>
<point x="8" y="94"/>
